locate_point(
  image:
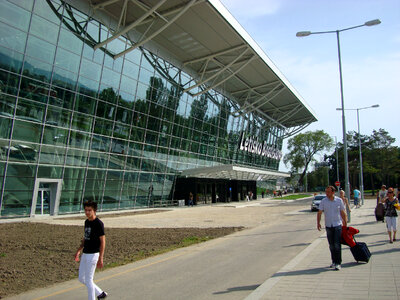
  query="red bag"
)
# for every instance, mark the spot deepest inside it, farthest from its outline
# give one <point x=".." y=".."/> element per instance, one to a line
<point x="347" y="236"/>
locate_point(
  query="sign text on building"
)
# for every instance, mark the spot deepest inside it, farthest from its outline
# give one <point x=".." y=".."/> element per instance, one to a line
<point x="252" y="145"/>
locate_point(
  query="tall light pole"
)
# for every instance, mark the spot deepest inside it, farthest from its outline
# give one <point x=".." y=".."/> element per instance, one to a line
<point x="307" y="33"/>
<point x="359" y="147"/>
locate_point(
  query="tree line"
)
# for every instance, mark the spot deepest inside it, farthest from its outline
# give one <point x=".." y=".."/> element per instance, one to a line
<point x="381" y="160"/>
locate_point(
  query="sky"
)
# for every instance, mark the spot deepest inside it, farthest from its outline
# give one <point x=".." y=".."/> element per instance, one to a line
<point x="370" y="58"/>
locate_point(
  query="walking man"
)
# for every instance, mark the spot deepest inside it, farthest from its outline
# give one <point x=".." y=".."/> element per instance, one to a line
<point x="357" y="193"/>
<point x="93" y="245"/>
<point x="335" y="216"/>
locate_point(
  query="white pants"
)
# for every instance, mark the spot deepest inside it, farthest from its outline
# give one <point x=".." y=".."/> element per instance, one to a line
<point x="87" y="268"/>
<point x="391" y="223"/>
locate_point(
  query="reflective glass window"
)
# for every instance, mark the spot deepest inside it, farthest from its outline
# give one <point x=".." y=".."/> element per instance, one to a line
<point x="43" y="9"/>
<point x="103" y="127"/>
<point x="116" y="162"/>
<point x="40" y="49"/>
<point x="58" y="117"/>
<point x="5" y="128"/>
<point x="124" y="115"/>
<point x="64" y="79"/>
<point x="105" y="110"/>
<point x="69" y="41"/>
<point x="16" y="203"/>
<point x="27" y="131"/>
<point x="44" y="29"/>
<point x="12" y="14"/>
<point x="67" y="60"/>
<point x="108" y="94"/>
<point x="90" y="69"/>
<point x="12" y="38"/>
<point x="79" y="139"/>
<point x="110" y="78"/>
<point x="98" y="159"/>
<point x="37" y="69"/>
<point x="10" y="61"/>
<point x="55" y="136"/>
<point x="101" y="143"/>
<point x="77" y="157"/>
<point x="29" y="110"/>
<point x="52" y="155"/>
<point x="87" y="86"/>
<point x="85" y="104"/>
<point x="82" y="122"/>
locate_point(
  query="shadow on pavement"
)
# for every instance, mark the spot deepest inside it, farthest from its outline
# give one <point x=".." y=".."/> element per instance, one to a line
<point x="297" y="245"/>
<point x="238" y="288"/>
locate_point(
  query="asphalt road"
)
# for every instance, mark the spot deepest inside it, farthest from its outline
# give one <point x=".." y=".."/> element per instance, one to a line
<point x="227" y="268"/>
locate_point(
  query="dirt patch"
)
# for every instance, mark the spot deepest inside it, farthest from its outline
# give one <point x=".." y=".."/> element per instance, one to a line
<point x="36" y="255"/>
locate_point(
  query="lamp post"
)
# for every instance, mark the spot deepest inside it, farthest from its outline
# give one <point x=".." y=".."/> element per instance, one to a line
<point x="359" y="147"/>
<point x="307" y="33"/>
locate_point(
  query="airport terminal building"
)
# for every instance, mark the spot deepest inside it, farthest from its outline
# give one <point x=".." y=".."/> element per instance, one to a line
<point x="135" y="103"/>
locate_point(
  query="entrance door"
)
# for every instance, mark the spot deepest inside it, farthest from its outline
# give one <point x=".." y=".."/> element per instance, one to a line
<point x="43" y="201"/>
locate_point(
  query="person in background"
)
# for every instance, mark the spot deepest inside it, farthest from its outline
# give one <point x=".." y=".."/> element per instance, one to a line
<point x="345" y="200"/>
<point x="190" y="199"/>
<point x="382" y="194"/>
<point x="391" y="214"/>
<point x="356" y="194"/>
<point x="93" y="245"/>
<point x="335" y="216"/>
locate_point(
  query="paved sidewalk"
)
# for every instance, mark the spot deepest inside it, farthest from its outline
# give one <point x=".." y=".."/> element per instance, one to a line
<point x="308" y="276"/>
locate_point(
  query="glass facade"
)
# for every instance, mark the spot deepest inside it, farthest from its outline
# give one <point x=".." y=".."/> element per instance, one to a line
<point x="115" y="131"/>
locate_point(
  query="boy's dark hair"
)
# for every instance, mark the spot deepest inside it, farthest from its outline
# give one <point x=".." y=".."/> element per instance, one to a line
<point x="332" y="188"/>
<point x="90" y="203"/>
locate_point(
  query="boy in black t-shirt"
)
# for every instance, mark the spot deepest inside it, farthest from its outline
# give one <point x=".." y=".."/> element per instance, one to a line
<point x="93" y="245"/>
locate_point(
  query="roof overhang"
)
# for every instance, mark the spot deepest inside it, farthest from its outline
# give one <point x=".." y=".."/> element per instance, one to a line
<point x="233" y="172"/>
<point x="204" y="39"/>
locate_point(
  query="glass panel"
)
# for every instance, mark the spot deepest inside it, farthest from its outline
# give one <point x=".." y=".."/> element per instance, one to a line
<point x="64" y="79"/>
<point x="101" y="143"/>
<point x="42" y="8"/>
<point x="40" y="49"/>
<point x="98" y="160"/>
<point x="27" y="131"/>
<point x="5" y="128"/>
<point x="12" y="14"/>
<point x="90" y="70"/>
<point x="85" y="104"/>
<point x="30" y="111"/>
<point x="116" y="162"/>
<point x="19" y="183"/>
<point x="79" y="140"/>
<point x="82" y="122"/>
<point x="37" y="69"/>
<point x="111" y="78"/>
<point x="69" y="41"/>
<point x="67" y="60"/>
<point x="70" y="201"/>
<point x="131" y="70"/>
<point x="103" y="126"/>
<point x="12" y="38"/>
<point x="77" y="158"/>
<point x="52" y="155"/>
<point x="49" y="172"/>
<point x="16" y="203"/>
<point x="58" y="117"/>
<point x="44" y="29"/>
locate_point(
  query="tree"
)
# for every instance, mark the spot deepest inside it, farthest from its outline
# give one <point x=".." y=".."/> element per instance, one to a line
<point x="303" y="147"/>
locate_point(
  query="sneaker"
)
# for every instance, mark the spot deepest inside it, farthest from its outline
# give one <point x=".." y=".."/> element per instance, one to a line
<point x="102" y="295"/>
<point x="338" y="267"/>
<point x="332" y="266"/>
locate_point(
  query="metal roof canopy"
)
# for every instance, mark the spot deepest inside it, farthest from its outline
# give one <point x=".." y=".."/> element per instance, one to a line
<point x="233" y="172"/>
<point x="204" y="39"/>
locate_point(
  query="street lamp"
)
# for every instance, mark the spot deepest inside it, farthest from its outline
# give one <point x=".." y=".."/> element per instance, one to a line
<point x="307" y="33"/>
<point x="359" y="147"/>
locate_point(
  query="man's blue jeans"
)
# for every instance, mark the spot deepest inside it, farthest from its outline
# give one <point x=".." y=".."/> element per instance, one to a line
<point x="333" y="234"/>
